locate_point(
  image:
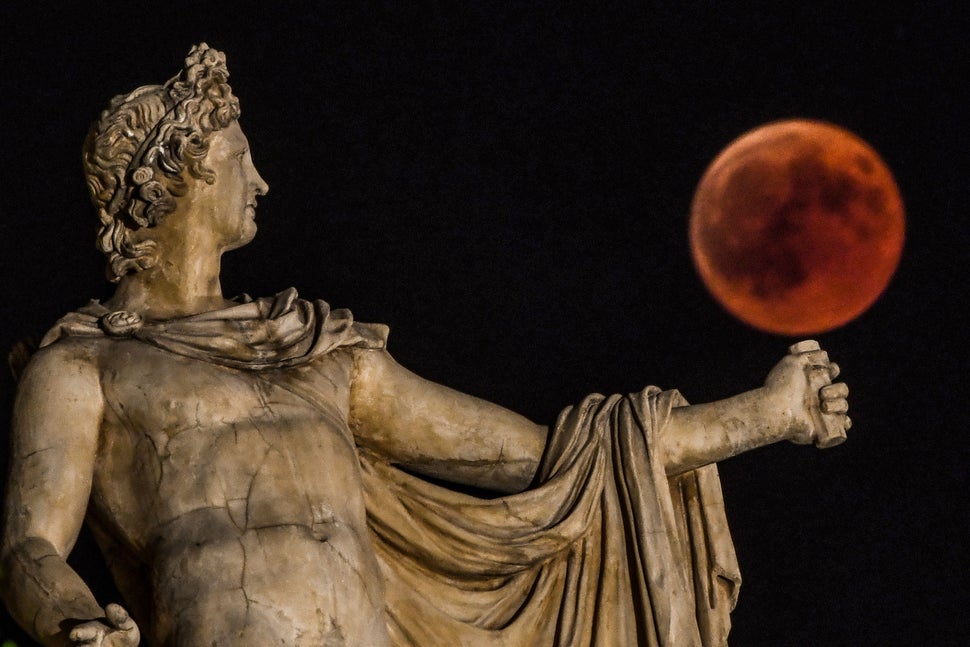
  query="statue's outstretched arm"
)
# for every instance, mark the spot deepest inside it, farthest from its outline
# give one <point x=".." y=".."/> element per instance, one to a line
<point x="57" y="418"/>
<point x="440" y="432"/>
<point x="798" y="402"/>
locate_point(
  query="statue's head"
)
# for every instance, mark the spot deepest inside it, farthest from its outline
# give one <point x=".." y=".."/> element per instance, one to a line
<point x="137" y="155"/>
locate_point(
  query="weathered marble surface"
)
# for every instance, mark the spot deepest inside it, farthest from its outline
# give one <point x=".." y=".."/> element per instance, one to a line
<point x="238" y="461"/>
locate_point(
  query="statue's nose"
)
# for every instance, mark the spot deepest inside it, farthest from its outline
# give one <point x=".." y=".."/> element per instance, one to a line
<point x="259" y="183"/>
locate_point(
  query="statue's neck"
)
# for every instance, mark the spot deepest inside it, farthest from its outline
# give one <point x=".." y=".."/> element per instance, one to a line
<point x="182" y="282"/>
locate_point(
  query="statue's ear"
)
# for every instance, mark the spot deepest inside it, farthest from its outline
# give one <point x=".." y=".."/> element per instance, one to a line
<point x="19" y="356"/>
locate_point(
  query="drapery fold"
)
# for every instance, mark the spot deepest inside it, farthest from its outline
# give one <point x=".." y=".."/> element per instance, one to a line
<point x="604" y="550"/>
<point x="268" y="333"/>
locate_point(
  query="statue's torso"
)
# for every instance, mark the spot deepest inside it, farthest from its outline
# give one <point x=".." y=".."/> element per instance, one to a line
<point x="242" y="493"/>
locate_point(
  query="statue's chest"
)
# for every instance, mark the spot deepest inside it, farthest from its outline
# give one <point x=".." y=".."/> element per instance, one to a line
<point x="161" y="393"/>
<point x="200" y="436"/>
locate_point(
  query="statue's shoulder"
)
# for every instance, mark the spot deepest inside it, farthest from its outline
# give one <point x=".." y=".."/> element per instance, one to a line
<point x="74" y="338"/>
<point x="77" y="327"/>
<point x="66" y="361"/>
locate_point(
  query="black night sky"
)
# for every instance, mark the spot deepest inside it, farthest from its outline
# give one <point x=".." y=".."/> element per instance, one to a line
<point x="507" y="186"/>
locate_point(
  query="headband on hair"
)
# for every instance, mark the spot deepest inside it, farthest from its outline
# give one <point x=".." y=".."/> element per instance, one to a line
<point x="136" y="153"/>
<point x="205" y="76"/>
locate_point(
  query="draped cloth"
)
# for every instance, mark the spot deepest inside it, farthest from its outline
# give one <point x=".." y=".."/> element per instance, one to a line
<point x="604" y="550"/>
<point x="268" y="333"/>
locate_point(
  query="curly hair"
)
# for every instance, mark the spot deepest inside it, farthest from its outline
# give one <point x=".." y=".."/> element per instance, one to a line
<point x="134" y="155"/>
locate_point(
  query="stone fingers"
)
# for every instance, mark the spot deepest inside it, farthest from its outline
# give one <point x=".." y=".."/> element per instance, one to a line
<point x="833" y="398"/>
<point x="90" y="633"/>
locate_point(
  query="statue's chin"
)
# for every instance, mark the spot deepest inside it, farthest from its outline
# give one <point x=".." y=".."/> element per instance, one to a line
<point x="245" y="237"/>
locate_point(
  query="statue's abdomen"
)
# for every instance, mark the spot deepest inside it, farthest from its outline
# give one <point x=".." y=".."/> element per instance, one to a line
<point x="243" y="495"/>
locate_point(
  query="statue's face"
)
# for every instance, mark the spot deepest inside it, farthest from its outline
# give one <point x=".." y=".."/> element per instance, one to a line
<point x="227" y="207"/>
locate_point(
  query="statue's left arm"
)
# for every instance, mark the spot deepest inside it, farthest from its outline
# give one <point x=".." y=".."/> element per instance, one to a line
<point x="440" y="432"/>
<point x="795" y="403"/>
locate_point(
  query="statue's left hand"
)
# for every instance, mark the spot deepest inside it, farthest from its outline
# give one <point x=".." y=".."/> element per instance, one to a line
<point x="121" y="630"/>
<point x="812" y="406"/>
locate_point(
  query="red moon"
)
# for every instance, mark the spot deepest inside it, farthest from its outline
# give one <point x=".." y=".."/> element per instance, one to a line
<point x="797" y="227"/>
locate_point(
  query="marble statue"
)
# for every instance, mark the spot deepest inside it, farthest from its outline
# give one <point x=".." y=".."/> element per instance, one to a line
<point x="240" y="461"/>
